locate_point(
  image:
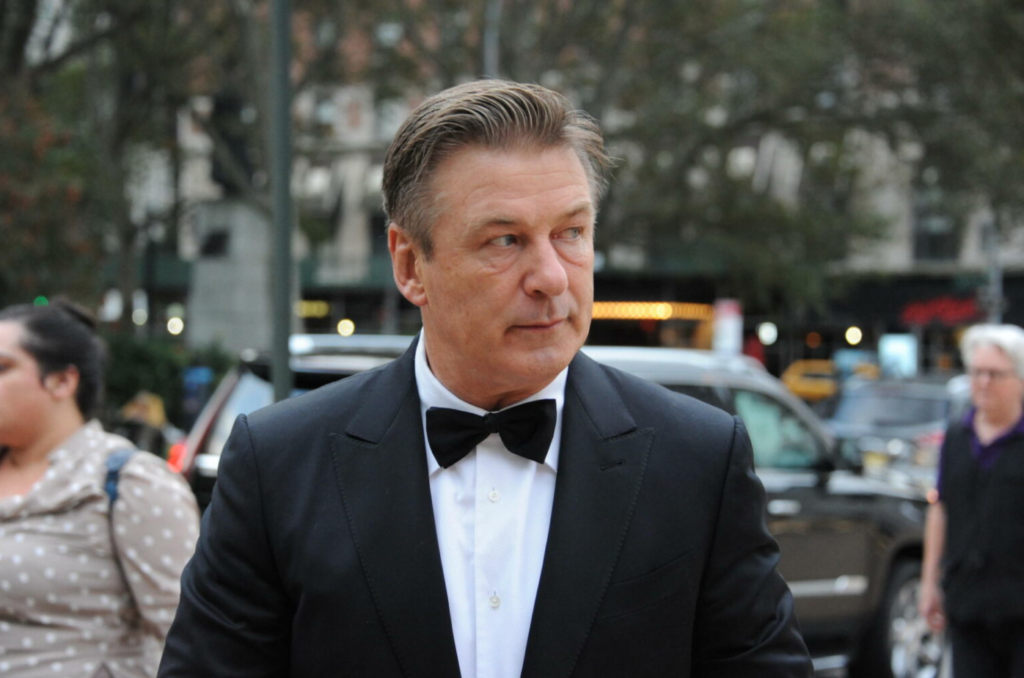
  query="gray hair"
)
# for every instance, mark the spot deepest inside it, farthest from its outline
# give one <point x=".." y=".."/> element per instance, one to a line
<point x="494" y="114"/>
<point x="1007" y="338"/>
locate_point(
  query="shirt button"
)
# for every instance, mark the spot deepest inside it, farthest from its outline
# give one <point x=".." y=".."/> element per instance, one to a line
<point x="494" y="495"/>
<point x="495" y="601"/>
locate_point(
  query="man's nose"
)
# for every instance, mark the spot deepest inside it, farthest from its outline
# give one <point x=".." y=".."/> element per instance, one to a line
<point x="546" y="275"/>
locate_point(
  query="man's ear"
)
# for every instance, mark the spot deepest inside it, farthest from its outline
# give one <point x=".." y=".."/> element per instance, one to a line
<point x="405" y="259"/>
<point x="64" y="384"/>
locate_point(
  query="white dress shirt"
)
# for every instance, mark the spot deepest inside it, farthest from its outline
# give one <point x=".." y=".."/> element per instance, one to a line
<point x="492" y="511"/>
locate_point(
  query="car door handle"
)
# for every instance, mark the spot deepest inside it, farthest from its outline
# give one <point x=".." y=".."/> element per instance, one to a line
<point x="783" y="507"/>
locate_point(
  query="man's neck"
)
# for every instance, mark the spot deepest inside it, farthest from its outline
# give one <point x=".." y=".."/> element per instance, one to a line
<point x="486" y="401"/>
<point x="470" y="391"/>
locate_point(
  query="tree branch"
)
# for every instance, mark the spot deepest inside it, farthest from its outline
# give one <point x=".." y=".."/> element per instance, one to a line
<point x="19" y="31"/>
<point x="84" y="45"/>
<point x="235" y="171"/>
<point x="62" y="14"/>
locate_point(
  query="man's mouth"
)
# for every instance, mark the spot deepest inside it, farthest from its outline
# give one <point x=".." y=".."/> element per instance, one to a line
<point x="539" y="326"/>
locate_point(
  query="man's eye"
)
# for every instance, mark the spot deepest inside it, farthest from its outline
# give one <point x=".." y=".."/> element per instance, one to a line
<point x="504" y="241"/>
<point x="573" y="233"/>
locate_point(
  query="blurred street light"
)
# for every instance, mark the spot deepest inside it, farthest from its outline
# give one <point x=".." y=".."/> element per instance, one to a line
<point x="346" y="328"/>
<point x="768" y="333"/>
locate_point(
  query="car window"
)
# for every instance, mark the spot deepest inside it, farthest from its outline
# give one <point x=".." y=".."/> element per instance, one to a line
<point x="703" y="393"/>
<point x="780" y="439"/>
<point x="250" y="394"/>
<point x="876" y="409"/>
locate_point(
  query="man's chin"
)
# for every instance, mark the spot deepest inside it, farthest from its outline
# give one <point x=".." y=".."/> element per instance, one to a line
<point x="543" y="364"/>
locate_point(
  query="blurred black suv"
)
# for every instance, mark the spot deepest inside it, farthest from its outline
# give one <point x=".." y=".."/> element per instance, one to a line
<point x="851" y="545"/>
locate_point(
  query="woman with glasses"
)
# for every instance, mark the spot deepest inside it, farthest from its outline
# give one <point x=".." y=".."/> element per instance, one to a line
<point x="973" y="578"/>
<point x="93" y="535"/>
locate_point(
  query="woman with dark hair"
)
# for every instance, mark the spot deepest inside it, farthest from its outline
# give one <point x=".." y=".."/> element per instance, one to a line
<point x="93" y="538"/>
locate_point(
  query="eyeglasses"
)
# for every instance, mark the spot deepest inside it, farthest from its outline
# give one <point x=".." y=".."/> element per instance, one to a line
<point x="992" y="375"/>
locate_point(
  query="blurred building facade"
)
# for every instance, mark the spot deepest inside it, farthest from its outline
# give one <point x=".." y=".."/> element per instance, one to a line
<point x="927" y="277"/>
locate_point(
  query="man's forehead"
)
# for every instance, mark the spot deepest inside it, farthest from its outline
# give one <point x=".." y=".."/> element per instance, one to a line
<point x="515" y="169"/>
<point x="494" y="185"/>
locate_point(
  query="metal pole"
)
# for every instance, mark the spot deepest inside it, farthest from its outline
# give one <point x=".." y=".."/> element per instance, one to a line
<point x="280" y="178"/>
<point x="492" y="33"/>
<point x="995" y="273"/>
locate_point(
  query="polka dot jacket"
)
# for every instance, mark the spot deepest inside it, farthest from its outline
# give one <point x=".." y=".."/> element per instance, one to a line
<point x="66" y="609"/>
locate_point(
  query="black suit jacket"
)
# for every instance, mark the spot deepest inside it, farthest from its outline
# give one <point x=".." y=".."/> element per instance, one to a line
<point x="318" y="555"/>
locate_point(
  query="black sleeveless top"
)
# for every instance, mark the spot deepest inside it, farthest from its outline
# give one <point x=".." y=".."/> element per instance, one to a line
<point x="984" y="555"/>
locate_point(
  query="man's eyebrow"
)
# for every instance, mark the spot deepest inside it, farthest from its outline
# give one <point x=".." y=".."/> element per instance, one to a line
<point x="582" y="208"/>
<point x="504" y="220"/>
<point x="497" y="220"/>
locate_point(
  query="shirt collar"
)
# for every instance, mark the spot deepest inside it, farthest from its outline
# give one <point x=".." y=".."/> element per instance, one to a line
<point x="434" y="394"/>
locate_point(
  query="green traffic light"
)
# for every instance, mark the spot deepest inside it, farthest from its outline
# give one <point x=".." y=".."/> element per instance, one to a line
<point x="41" y="301"/>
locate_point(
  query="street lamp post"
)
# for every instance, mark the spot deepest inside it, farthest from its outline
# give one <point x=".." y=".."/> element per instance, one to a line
<point x="492" y="36"/>
<point x="994" y="294"/>
<point x="280" y="177"/>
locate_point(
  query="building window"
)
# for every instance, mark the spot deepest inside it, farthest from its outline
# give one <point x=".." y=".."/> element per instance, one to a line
<point x="215" y="244"/>
<point x="936" y="236"/>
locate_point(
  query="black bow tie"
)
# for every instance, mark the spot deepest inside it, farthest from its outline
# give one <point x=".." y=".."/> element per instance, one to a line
<point x="525" y="430"/>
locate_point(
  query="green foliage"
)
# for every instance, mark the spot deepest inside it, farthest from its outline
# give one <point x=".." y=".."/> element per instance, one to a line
<point x="85" y="85"/>
<point x="136" y="364"/>
<point x="686" y="91"/>
<point x="683" y="90"/>
<point x="949" y="77"/>
<point x="48" y="247"/>
<point x="318" y="228"/>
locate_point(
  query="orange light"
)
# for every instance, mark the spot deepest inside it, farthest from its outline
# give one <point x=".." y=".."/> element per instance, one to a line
<point x="651" y="310"/>
<point x="813" y="340"/>
<point x="175" y="457"/>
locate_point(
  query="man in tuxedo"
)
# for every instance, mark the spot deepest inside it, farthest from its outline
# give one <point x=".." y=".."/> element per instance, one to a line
<point x="493" y="503"/>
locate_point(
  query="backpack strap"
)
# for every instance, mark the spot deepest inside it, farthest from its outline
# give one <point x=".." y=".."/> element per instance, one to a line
<point x="115" y="462"/>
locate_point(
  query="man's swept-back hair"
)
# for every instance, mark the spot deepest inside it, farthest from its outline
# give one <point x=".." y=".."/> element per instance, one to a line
<point x="494" y="114"/>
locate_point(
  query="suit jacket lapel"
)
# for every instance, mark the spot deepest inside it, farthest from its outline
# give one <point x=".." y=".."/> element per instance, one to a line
<point x="600" y="470"/>
<point x="381" y="468"/>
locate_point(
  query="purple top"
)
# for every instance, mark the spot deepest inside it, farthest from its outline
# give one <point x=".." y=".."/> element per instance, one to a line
<point x="985" y="455"/>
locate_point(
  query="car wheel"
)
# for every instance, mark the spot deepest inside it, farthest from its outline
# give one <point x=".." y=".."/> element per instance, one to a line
<point x="899" y="643"/>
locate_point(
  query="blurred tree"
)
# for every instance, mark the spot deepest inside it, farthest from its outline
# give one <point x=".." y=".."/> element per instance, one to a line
<point x="48" y="246"/>
<point x="136" y="365"/>
<point x="89" y="93"/>
<point x="737" y="155"/>
<point x="741" y="126"/>
<point x="947" y="78"/>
